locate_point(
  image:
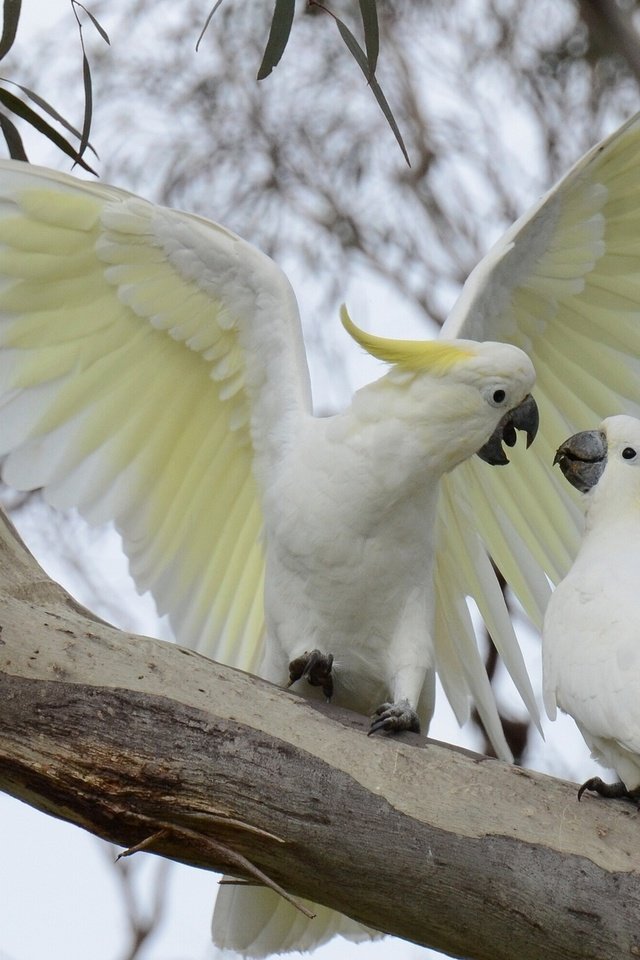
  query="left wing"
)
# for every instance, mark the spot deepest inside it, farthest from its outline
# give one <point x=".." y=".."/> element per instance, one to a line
<point x="147" y="359"/>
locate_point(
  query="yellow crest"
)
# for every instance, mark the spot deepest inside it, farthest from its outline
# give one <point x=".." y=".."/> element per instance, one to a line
<point x="436" y="355"/>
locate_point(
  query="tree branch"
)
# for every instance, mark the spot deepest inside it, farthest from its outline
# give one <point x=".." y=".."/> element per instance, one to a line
<point x="142" y="742"/>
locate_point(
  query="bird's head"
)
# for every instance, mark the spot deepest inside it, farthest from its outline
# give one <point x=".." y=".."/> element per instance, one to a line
<point x="606" y="459"/>
<point x="503" y="377"/>
<point x="477" y="394"/>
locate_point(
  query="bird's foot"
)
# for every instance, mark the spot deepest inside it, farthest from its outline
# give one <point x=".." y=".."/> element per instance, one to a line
<point x="316" y="667"/>
<point x="394" y="717"/>
<point x="616" y="791"/>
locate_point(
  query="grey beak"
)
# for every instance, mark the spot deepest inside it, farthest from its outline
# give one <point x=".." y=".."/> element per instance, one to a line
<point x="582" y="458"/>
<point x="523" y="417"/>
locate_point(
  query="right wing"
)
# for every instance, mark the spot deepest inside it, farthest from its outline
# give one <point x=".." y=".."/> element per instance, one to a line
<point x="563" y="284"/>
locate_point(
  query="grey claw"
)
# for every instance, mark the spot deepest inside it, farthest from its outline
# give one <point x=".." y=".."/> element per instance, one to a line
<point x="616" y="791"/>
<point x="394" y="717"/>
<point x="316" y="667"/>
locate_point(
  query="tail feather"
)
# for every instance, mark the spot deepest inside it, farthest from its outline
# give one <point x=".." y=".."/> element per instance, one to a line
<point x="256" y="922"/>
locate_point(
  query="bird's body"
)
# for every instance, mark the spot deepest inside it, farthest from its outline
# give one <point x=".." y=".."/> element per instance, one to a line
<point x="349" y="563"/>
<point x="591" y="637"/>
<point x="153" y="372"/>
<point x="331" y="569"/>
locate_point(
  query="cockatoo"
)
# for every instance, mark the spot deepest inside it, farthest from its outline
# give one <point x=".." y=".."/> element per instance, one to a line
<point x="591" y="654"/>
<point x="152" y="373"/>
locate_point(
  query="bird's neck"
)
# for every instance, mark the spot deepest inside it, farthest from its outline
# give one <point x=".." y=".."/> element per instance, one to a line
<point x="614" y="514"/>
<point x="415" y="425"/>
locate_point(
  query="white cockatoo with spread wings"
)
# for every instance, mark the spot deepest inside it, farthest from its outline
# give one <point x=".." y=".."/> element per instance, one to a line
<point x="152" y="373"/>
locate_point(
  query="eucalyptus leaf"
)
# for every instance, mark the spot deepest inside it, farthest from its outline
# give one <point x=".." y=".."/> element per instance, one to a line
<point x="206" y="23"/>
<point x="88" y="104"/>
<point x="278" y="36"/>
<point x="361" y="59"/>
<point x="86" y="78"/>
<point x="369" y="14"/>
<point x="22" y="110"/>
<point x="13" y="138"/>
<point x="11" y="16"/>
<point x="47" y="108"/>
<point x="103" y="33"/>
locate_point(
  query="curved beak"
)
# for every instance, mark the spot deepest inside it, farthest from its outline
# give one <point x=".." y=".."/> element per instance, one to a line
<point x="523" y="417"/>
<point x="582" y="458"/>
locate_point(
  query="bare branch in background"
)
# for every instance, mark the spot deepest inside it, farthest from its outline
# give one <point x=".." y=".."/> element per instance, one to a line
<point x="143" y="922"/>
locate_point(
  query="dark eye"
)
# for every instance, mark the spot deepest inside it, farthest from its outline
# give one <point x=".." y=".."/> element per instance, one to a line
<point x="499" y="395"/>
<point x="628" y="453"/>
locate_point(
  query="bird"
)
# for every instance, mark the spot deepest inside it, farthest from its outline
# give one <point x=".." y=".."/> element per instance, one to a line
<point x="591" y="658"/>
<point x="153" y="374"/>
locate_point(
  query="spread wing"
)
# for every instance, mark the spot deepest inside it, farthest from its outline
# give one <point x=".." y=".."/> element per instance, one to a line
<point x="564" y="285"/>
<point x="148" y="358"/>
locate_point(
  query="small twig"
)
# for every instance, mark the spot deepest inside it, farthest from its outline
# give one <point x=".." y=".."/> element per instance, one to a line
<point x="238" y="882"/>
<point x="169" y="831"/>
<point x="145" y="844"/>
<point x="239" y="824"/>
<point x="241" y="861"/>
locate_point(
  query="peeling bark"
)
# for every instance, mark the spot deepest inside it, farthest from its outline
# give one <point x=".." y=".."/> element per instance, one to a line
<point x="145" y="743"/>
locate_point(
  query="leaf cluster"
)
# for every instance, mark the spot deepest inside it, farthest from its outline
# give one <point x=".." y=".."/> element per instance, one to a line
<point x="367" y="58"/>
<point x="36" y="115"/>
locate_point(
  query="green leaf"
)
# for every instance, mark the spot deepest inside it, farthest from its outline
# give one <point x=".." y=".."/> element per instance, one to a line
<point x="13" y="138"/>
<point x="20" y="109"/>
<point x="88" y="104"/>
<point x="361" y="59"/>
<point x="278" y="36"/>
<point x="206" y="23"/>
<point x="369" y="14"/>
<point x="103" y="33"/>
<point x="9" y="25"/>
<point x="47" y="108"/>
<point x="86" y="77"/>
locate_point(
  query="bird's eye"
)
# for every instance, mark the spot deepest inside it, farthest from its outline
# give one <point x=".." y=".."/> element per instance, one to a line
<point x="628" y="453"/>
<point x="494" y="395"/>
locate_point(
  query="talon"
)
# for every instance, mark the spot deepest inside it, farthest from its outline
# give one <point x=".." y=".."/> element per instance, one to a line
<point x="316" y="667"/>
<point x="394" y="717"/>
<point x="616" y="791"/>
<point x="296" y="668"/>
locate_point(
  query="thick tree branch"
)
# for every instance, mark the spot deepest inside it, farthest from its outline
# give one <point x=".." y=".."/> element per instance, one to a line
<point x="142" y="742"/>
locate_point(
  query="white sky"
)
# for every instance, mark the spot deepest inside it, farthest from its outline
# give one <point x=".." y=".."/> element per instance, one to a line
<point x="57" y="897"/>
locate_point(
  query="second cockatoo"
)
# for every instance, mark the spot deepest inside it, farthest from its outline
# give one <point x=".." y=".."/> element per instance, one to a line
<point x="152" y="373"/>
<point x="591" y="648"/>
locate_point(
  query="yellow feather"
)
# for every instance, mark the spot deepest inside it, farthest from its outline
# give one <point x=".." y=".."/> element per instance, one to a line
<point x="61" y="208"/>
<point x="434" y="355"/>
<point x="34" y="237"/>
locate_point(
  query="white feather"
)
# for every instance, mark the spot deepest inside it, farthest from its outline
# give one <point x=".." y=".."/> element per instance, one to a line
<point x="591" y="654"/>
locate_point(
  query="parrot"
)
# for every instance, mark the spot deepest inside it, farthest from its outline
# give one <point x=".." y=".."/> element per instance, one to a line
<point x="591" y="658"/>
<point x="153" y="374"/>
